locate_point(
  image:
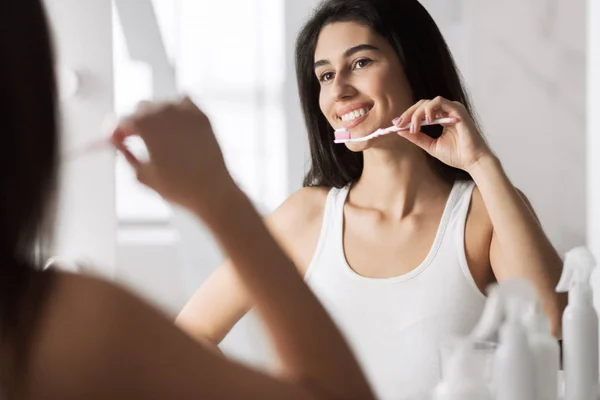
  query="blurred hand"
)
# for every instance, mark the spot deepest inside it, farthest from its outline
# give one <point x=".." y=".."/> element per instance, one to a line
<point x="185" y="165"/>
<point x="460" y="145"/>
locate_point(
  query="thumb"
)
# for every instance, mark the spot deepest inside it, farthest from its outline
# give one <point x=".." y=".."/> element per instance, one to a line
<point x="129" y="156"/>
<point x="420" y="139"/>
<point x="140" y="168"/>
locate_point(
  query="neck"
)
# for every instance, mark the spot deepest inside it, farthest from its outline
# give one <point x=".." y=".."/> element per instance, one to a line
<point x="398" y="181"/>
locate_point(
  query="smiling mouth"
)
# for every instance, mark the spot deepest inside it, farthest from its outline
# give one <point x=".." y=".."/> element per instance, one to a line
<point x="352" y="115"/>
<point x="355" y="117"/>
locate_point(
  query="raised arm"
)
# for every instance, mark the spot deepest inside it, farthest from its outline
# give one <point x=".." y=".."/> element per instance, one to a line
<point x="519" y="246"/>
<point x="186" y="166"/>
<point x="222" y="299"/>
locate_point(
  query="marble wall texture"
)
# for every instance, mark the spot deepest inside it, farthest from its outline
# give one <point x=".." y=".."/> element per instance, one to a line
<point x="524" y="64"/>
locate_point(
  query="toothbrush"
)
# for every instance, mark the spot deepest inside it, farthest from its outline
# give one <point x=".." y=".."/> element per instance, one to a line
<point x="103" y="142"/>
<point x="343" y="135"/>
<point x="91" y="147"/>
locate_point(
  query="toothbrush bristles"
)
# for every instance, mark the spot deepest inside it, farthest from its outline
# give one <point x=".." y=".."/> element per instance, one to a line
<point x="341" y="134"/>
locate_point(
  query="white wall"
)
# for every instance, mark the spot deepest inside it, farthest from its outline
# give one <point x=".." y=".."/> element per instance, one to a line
<point x="296" y="13"/>
<point x="593" y="127"/>
<point x="530" y="88"/>
<point x="86" y="222"/>
<point x="525" y="67"/>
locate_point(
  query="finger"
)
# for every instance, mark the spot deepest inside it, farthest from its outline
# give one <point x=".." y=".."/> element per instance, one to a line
<point x="433" y="111"/>
<point x="189" y="104"/>
<point x="450" y="108"/>
<point x="124" y="129"/>
<point x="129" y="156"/>
<point x="420" y="139"/>
<point x="405" y="118"/>
<point x="187" y="101"/>
<point x="451" y="121"/>
<point x="145" y="107"/>
<point x="440" y="114"/>
<point x="418" y="116"/>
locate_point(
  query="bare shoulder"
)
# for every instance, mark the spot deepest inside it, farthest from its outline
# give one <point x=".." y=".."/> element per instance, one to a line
<point x="96" y="340"/>
<point x="84" y="327"/>
<point x="302" y="206"/>
<point x="296" y="224"/>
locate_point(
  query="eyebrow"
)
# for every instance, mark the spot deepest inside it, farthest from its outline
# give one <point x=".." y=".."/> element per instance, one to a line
<point x="351" y="51"/>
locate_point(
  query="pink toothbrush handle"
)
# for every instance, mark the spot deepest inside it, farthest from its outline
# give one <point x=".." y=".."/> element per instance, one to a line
<point x="423" y="123"/>
<point x="89" y="148"/>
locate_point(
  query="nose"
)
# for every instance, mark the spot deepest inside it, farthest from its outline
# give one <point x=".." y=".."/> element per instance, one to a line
<point x="342" y="87"/>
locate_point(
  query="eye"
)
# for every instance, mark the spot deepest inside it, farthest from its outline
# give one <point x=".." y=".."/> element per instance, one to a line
<point x="361" y="63"/>
<point x="327" y="76"/>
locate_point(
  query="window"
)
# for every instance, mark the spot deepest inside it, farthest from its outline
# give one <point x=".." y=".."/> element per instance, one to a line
<point x="235" y="75"/>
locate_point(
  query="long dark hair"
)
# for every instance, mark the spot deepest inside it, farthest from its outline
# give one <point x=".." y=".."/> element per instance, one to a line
<point x="427" y="63"/>
<point x="28" y="169"/>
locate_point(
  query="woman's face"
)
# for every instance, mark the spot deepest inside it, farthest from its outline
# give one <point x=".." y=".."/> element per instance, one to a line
<point x="363" y="86"/>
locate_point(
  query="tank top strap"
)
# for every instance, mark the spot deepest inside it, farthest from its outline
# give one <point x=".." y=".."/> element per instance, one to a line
<point x="462" y="201"/>
<point x="332" y="223"/>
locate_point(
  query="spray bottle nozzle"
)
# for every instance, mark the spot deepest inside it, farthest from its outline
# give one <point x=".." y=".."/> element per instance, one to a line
<point x="507" y="300"/>
<point x="575" y="278"/>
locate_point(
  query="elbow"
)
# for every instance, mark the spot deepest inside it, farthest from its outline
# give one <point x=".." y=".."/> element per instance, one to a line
<point x="197" y="331"/>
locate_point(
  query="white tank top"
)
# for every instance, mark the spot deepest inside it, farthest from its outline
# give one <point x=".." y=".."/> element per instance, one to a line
<point x="394" y="325"/>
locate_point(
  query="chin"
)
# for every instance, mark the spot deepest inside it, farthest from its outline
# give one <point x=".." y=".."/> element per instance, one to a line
<point x="358" y="147"/>
<point x="361" y="146"/>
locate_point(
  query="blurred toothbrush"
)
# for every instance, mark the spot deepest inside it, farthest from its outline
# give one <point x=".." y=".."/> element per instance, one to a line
<point x="91" y="147"/>
<point x="104" y="142"/>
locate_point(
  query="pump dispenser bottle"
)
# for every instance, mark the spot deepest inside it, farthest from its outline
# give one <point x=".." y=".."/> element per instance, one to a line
<point x="546" y="353"/>
<point x="514" y="364"/>
<point x="580" y="327"/>
<point x="465" y="379"/>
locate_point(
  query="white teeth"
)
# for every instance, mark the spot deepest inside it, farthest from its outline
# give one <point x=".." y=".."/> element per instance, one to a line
<point x="354" y="114"/>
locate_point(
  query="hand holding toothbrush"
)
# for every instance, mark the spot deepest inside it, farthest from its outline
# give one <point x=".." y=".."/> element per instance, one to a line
<point x="185" y="165"/>
<point x="460" y="145"/>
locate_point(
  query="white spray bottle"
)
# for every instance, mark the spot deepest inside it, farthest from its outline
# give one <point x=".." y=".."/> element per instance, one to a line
<point x="546" y="352"/>
<point x="580" y="327"/>
<point x="465" y="379"/>
<point x="595" y="286"/>
<point x="514" y="363"/>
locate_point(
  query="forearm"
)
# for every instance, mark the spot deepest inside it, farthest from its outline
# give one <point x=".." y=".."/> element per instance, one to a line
<point x="218" y="304"/>
<point x="310" y="346"/>
<point x="520" y="241"/>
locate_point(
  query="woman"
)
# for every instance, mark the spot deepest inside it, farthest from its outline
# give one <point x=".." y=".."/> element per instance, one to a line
<point x="65" y="336"/>
<point x="398" y="236"/>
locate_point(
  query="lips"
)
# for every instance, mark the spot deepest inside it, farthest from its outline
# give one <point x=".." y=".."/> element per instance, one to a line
<point x="354" y="114"/>
<point x="353" y="123"/>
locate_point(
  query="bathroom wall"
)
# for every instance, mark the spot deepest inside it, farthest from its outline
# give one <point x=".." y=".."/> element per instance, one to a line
<point x="86" y="221"/>
<point x="524" y="62"/>
<point x="593" y="126"/>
